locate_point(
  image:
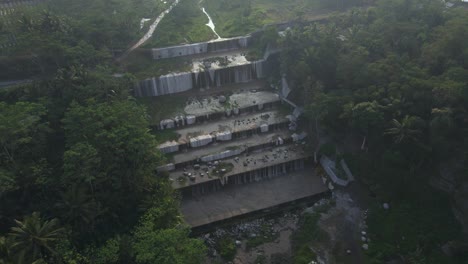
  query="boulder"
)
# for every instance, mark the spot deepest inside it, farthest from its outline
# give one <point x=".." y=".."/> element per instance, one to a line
<point x="222" y="99"/>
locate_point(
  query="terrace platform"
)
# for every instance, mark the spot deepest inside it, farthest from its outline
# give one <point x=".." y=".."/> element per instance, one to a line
<point x="236" y="201"/>
<point x="239" y="100"/>
<point x="233" y="124"/>
<point x="193" y="154"/>
<point x="240" y="164"/>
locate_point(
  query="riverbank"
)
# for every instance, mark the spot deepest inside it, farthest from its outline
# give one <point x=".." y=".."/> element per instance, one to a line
<point x="330" y="231"/>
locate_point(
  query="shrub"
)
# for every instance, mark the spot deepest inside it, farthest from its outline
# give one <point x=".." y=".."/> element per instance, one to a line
<point x="226" y="248"/>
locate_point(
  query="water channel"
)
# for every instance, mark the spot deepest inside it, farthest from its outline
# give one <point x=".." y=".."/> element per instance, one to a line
<point x="210" y="23"/>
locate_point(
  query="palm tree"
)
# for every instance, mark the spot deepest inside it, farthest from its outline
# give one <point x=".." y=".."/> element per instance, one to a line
<point x="4" y="253"/>
<point x="403" y="131"/>
<point x="32" y="239"/>
<point x="79" y="209"/>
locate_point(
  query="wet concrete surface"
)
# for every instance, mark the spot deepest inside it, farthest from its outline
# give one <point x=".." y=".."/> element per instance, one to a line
<point x="233" y="124"/>
<point x="243" y="199"/>
<point x="243" y="163"/>
<point x="254" y="140"/>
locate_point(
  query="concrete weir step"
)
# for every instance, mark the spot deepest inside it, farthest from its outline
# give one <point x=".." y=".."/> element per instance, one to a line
<point x="241" y="102"/>
<point x="224" y="149"/>
<point x="250" y="167"/>
<point x="225" y="130"/>
<point x="237" y="201"/>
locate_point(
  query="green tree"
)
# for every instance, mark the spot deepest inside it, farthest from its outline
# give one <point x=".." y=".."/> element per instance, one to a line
<point x="79" y="209"/>
<point x="23" y="147"/>
<point x="366" y="117"/>
<point x="34" y="238"/>
<point x="442" y="130"/>
<point x="167" y="246"/>
<point x="110" y="150"/>
<point x="4" y="251"/>
<point x="406" y="130"/>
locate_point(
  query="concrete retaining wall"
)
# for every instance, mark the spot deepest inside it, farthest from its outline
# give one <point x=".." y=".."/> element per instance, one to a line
<point x="199" y="141"/>
<point x="265" y="173"/>
<point x="328" y="165"/>
<point x="169" y="147"/>
<point x="201" y="48"/>
<point x="222" y="155"/>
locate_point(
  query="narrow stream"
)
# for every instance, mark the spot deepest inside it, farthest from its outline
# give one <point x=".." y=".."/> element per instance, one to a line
<point x="210" y="23"/>
<point x="151" y="30"/>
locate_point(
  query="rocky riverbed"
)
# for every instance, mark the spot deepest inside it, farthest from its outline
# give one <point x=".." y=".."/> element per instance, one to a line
<point x="269" y="239"/>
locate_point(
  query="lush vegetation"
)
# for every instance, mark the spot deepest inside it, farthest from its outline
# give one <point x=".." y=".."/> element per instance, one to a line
<point x="61" y="33"/>
<point x="303" y="238"/>
<point x="77" y="158"/>
<point x="227" y="248"/>
<point x="185" y="24"/>
<point x="78" y="181"/>
<point x="389" y="84"/>
<point x="77" y="174"/>
<point x="141" y="64"/>
<point x="240" y="17"/>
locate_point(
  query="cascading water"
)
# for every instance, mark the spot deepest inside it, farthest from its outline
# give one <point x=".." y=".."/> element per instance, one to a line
<point x="180" y="82"/>
<point x="210" y="23"/>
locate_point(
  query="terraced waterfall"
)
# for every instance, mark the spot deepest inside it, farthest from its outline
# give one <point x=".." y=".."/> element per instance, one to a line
<point x="205" y="77"/>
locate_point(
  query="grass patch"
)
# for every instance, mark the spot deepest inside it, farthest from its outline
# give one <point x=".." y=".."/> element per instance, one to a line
<point x="141" y="64"/>
<point x="265" y="236"/>
<point x="240" y="17"/>
<point x="182" y="180"/>
<point x="223" y="165"/>
<point x="226" y="248"/>
<point x="303" y="238"/>
<point x="339" y="171"/>
<point x="162" y="136"/>
<point x="309" y="230"/>
<point x="185" y="24"/>
<point x="304" y="255"/>
<point x="162" y="107"/>
<point x="260" y="259"/>
<point x="232" y="148"/>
